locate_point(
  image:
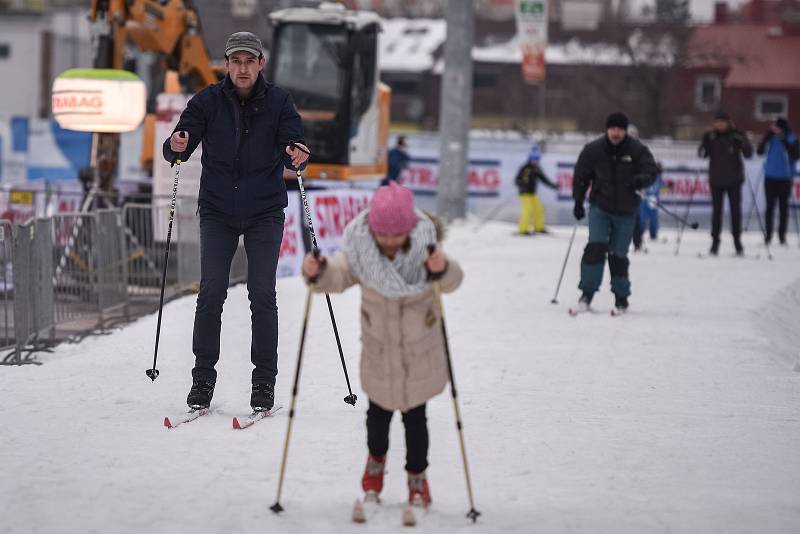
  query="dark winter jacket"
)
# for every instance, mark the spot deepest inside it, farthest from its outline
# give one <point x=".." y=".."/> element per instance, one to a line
<point x="724" y="151"/>
<point x="782" y="153"/>
<point x="615" y="174"/>
<point x="244" y="146"/>
<point x="397" y="161"/>
<point x="528" y="178"/>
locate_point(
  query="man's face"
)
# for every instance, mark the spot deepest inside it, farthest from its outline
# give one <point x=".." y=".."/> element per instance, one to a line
<point x="616" y="134"/>
<point x="719" y="125"/>
<point x="777" y="130"/>
<point x="390" y="244"/>
<point x="244" y="69"/>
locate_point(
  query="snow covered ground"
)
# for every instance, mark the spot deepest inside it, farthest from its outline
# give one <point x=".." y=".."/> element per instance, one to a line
<point x="682" y="416"/>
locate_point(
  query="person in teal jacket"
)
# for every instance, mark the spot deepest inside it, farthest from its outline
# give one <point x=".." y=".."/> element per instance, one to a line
<point x="782" y="148"/>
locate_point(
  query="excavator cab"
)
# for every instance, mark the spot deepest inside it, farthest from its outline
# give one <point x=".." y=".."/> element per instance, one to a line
<point x="327" y="59"/>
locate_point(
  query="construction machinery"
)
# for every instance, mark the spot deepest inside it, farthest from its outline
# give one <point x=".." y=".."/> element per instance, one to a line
<point x="327" y="58"/>
<point x="170" y="28"/>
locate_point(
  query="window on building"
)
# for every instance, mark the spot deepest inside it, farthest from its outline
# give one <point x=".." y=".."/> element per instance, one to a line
<point x="771" y="106"/>
<point x="5" y="50"/>
<point x="707" y="93"/>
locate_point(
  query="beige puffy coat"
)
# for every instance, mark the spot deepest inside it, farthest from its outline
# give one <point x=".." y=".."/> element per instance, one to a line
<point x="403" y="363"/>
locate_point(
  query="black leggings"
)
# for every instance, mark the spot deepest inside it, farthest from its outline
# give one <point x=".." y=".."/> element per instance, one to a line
<point x="416" y="425"/>
<point x="777" y="190"/>
<point x="734" y="193"/>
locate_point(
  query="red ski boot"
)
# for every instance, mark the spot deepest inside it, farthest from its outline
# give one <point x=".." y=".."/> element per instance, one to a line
<point x="419" y="494"/>
<point x="373" y="474"/>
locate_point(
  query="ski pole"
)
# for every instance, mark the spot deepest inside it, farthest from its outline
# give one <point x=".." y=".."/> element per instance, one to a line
<point x="672" y="214"/>
<point x="760" y="222"/>
<point x="752" y="207"/>
<point x="153" y="373"/>
<point x="564" y="267"/>
<point x="437" y="292"/>
<point x="351" y="398"/>
<point x="277" y="508"/>
<point x="686" y="216"/>
<point x="491" y="215"/>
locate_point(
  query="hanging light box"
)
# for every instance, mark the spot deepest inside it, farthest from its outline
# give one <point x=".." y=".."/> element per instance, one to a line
<point x="98" y="100"/>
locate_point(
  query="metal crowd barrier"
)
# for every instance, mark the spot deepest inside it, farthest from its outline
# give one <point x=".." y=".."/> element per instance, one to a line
<point x="75" y="273"/>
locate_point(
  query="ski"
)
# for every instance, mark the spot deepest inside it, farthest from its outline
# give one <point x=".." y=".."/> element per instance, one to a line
<point x="616" y="312"/>
<point x="240" y="423"/>
<point x="574" y="312"/>
<point x="191" y="415"/>
<point x="409" y="517"/>
<point x="366" y="508"/>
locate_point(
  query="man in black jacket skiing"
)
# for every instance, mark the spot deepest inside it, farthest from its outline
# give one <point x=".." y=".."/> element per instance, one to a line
<point x="724" y="147"/>
<point x="246" y="125"/>
<point x="617" y="167"/>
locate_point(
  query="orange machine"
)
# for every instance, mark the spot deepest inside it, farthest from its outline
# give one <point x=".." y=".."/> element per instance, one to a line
<point x="171" y="28"/>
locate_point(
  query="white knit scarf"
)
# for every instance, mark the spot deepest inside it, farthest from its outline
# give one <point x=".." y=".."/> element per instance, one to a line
<point x="403" y="276"/>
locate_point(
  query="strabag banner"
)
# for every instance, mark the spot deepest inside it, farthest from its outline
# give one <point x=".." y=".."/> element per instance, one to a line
<point x="291" y="254"/>
<point x="331" y="210"/>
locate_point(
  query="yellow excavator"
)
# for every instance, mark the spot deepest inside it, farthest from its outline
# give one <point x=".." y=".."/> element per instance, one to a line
<point x="326" y="57"/>
<point x="171" y="28"/>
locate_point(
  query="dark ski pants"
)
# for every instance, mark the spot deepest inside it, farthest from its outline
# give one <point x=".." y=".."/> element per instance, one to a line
<point x="608" y="234"/>
<point x="416" y="424"/>
<point x="219" y="238"/>
<point x="777" y="191"/>
<point x="734" y="193"/>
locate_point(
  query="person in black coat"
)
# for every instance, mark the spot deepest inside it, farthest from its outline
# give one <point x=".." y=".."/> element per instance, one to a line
<point x="531" y="211"/>
<point x="246" y="126"/>
<point x="616" y="167"/>
<point x="724" y="147"/>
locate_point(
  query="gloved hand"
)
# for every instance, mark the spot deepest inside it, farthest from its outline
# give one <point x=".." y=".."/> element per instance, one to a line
<point x="578" y="210"/>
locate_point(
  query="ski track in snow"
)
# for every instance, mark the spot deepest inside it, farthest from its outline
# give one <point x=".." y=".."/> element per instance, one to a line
<point x="681" y="416"/>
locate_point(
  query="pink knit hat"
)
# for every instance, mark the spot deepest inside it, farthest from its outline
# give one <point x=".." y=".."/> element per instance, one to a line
<point x="392" y="210"/>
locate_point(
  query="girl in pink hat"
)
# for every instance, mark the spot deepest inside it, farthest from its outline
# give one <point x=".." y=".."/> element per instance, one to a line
<point x="403" y="363"/>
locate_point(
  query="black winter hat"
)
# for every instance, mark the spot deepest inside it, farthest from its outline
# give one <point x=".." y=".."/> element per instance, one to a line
<point x="617" y="120"/>
<point x="721" y="116"/>
<point x="783" y="124"/>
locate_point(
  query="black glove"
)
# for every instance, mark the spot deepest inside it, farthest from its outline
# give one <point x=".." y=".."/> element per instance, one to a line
<point x="578" y="211"/>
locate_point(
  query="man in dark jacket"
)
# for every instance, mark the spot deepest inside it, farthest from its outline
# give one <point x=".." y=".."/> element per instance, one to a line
<point x="617" y="167"/>
<point x="398" y="159"/>
<point x="782" y="148"/>
<point x="530" y="207"/>
<point x="724" y="147"/>
<point x="246" y="126"/>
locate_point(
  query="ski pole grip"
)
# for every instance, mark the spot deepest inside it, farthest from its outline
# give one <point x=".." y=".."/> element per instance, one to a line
<point x="315" y="253"/>
<point x="431" y="250"/>
<point x="179" y="155"/>
<point x="293" y="146"/>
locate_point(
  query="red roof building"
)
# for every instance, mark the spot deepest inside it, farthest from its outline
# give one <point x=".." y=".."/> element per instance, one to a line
<point x="747" y="64"/>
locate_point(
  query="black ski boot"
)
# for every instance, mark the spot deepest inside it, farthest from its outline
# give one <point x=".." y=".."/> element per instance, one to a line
<point x="714" y="247"/>
<point x="621" y="304"/>
<point x="200" y="394"/>
<point x="585" y="302"/>
<point x="262" y="397"/>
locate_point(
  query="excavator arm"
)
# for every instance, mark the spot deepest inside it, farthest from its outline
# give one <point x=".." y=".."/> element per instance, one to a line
<point x="168" y="27"/>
